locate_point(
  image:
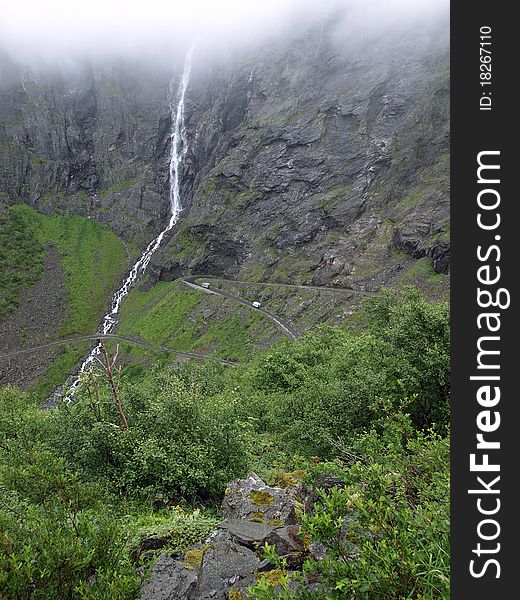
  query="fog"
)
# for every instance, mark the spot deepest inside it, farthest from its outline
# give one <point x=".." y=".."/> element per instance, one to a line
<point x="61" y="31"/>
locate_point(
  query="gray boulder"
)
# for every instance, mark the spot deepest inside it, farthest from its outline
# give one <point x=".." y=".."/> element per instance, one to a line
<point x="170" y="579"/>
<point x="248" y="533"/>
<point x="251" y="499"/>
<point x="226" y="565"/>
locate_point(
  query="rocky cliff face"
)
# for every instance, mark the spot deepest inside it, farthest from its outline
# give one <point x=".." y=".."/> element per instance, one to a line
<point x="317" y="159"/>
<point x="87" y="140"/>
<point x="321" y="161"/>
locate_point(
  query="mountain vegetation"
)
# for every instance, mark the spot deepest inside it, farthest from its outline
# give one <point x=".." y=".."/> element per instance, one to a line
<point x="369" y="402"/>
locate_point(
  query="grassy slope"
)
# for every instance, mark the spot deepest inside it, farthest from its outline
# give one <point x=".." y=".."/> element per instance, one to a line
<point x="21" y="259"/>
<point x="170" y="315"/>
<point x="93" y="259"/>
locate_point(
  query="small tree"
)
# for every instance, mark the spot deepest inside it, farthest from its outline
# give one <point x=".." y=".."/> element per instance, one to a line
<point x="112" y="373"/>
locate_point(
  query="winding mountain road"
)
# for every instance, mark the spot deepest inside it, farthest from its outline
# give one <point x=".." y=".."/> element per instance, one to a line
<point x="292" y="286"/>
<point x="122" y="338"/>
<point x="191" y="281"/>
<point x="283" y="324"/>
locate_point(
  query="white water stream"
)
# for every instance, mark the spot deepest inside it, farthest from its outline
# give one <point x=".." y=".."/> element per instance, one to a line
<point x="178" y="148"/>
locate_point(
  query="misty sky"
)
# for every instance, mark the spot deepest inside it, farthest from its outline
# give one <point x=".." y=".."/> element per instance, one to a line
<point x="50" y="30"/>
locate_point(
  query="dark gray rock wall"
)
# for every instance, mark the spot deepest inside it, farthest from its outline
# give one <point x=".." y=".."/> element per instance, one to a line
<point x="87" y="140"/>
<point x="306" y="155"/>
<point x="316" y="159"/>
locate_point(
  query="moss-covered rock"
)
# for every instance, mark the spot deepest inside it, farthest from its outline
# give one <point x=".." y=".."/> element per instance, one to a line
<point x="253" y="500"/>
<point x="195" y="556"/>
<point x="261" y="498"/>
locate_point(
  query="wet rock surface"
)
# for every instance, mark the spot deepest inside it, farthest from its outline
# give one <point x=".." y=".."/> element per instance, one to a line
<point x="331" y="159"/>
<point x="88" y="141"/>
<point x="309" y="161"/>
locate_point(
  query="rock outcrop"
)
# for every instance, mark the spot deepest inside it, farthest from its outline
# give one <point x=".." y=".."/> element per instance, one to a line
<point x="230" y="560"/>
<point x="316" y="159"/>
<point x="320" y="162"/>
<point x="90" y="141"/>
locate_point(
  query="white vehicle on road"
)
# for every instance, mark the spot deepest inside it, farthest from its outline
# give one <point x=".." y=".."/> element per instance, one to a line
<point x="256" y="304"/>
<point x="205" y="284"/>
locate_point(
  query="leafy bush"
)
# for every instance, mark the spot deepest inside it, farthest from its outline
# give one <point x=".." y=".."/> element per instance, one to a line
<point x="63" y="552"/>
<point x="335" y="382"/>
<point x="65" y="537"/>
<point x="178" y="528"/>
<point x="80" y="485"/>
<point x="386" y="534"/>
<point x="59" y="538"/>
<point x="179" y="444"/>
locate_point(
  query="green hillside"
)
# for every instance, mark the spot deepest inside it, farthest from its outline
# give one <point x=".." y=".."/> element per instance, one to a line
<point x="92" y="259"/>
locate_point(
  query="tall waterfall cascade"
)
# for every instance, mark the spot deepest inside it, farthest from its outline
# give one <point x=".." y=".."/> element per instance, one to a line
<point x="178" y="149"/>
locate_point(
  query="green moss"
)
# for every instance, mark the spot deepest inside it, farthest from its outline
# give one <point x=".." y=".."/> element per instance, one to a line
<point x="339" y="191"/>
<point x="38" y="160"/>
<point x="420" y="268"/>
<point x="189" y="245"/>
<point x="260" y="498"/>
<point x="276" y="577"/>
<point x="207" y="186"/>
<point x="179" y="528"/>
<point x="366" y="270"/>
<point x="411" y="199"/>
<point x="422" y="275"/>
<point x="333" y="236"/>
<point x="396" y="252"/>
<point x="196" y="556"/>
<point x="276" y="523"/>
<point x="290" y="479"/>
<point x="258" y="517"/>
<point x="248" y="197"/>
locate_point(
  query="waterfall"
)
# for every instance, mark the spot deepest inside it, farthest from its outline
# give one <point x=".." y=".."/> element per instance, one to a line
<point x="178" y="148"/>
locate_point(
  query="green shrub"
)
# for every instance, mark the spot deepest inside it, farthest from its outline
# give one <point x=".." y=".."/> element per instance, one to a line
<point x="80" y="486"/>
<point x="335" y="382"/>
<point x="59" y="538"/>
<point x="180" y="442"/>
<point x="63" y="552"/>
<point x="178" y="527"/>
<point x="386" y="533"/>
